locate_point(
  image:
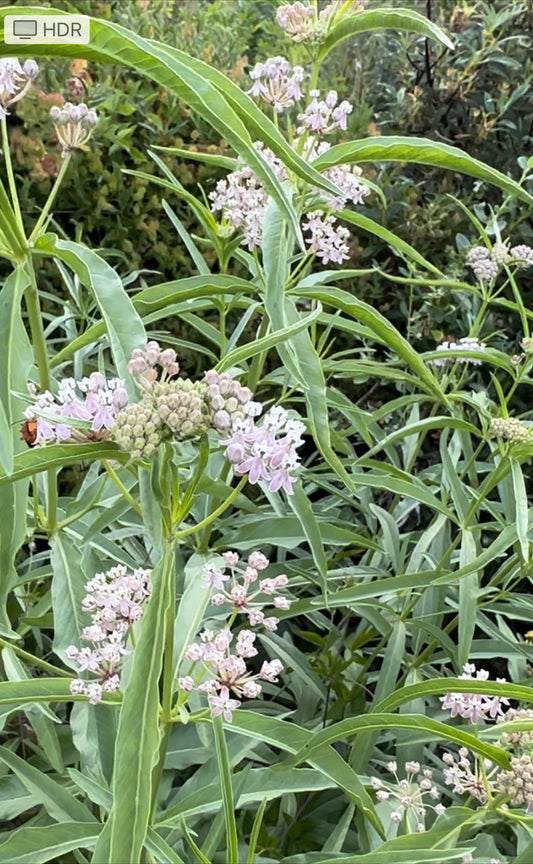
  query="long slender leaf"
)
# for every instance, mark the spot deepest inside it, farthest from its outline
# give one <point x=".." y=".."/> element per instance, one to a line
<point x="38" y="459"/>
<point x="58" y="801"/>
<point x="35" y="845"/>
<point x="17" y="358"/>
<point x="374" y="19"/>
<point x="138" y="734"/>
<point x="440" y="686"/>
<point x="124" y="326"/>
<point x="424" y="725"/>
<point x="423" y="152"/>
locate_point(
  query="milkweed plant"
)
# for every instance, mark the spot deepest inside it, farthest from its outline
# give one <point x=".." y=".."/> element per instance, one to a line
<point x="244" y="615"/>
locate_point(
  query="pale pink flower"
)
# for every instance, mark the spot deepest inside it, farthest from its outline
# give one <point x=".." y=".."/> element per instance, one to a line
<point x="474" y="706"/>
<point x="277" y="82"/>
<point x="109" y="598"/>
<point x="223" y="704"/>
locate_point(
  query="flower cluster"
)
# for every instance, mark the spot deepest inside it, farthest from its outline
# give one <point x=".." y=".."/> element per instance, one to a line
<point x="322" y="116"/>
<point x="115" y="600"/>
<point x="301" y="24"/>
<point x="297" y="20"/>
<point x="74" y="125"/>
<point x="242" y="199"/>
<point x="519" y="739"/>
<point x="15" y="80"/>
<point x="266" y="452"/>
<point x="177" y="409"/>
<point x="486" y="263"/>
<point x="171" y="408"/>
<point x="511" y="430"/>
<point x="464" y="778"/>
<point x="518" y="782"/>
<point x="227" y="673"/>
<point x="409" y="793"/>
<point x="229" y="401"/>
<point x="234" y="587"/>
<point x="465" y="344"/>
<point x="474" y="706"/>
<point x="328" y="240"/>
<point x="93" y="400"/>
<point x="277" y="82"/>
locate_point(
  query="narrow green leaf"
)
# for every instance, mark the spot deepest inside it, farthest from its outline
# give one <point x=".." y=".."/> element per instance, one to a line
<point x="261" y="784"/>
<point x="19" y="693"/>
<point x="17" y="359"/>
<point x="138" y="736"/>
<point x="291" y="737"/>
<point x="68" y="591"/>
<point x="401" y="246"/>
<point x="521" y="508"/>
<point x="228" y="162"/>
<point x="254" y="833"/>
<point x="423" y="152"/>
<point x="375" y="19"/>
<point x="58" y="802"/>
<point x="440" y="686"/>
<point x="224" y="771"/>
<point x="159" y="848"/>
<point x="303" y="509"/>
<point x="124" y="326"/>
<point x="386" y="331"/>
<point x="30" y="845"/>
<point x="190" y="245"/>
<point x="273" y="340"/>
<point x="38" y="459"/>
<point x="424" y="725"/>
<point x="468" y="597"/>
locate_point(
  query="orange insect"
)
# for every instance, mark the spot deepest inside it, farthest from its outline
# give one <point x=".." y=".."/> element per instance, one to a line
<point x="28" y="431"/>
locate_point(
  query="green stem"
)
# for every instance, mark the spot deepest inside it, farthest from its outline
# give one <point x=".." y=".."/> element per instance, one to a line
<point x="33" y="308"/>
<point x="120" y="486"/>
<point x="205" y="523"/>
<point x="53" y="192"/>
<point x="11" y="175"/>
<point x="519" y="304"/>
<point x="168" y="672"/>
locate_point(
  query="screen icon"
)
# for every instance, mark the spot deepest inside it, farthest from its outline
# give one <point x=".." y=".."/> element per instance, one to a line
<point x="24" y="28"/>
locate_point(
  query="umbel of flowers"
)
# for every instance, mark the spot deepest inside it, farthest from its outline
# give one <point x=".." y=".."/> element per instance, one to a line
<point x="173" y="409"/>
<point x="511" y="429"/>
<point x="303" y="23"/>
<point x="115" y="600"/>
<point x="93" y="400"/>
<point x="242" y="199"/>
<point x="465" y="773"/>
<point x="74" y="125"/>
<point x="176" y="409"/>
<point x="15" y="80"/>
<point x="487" y="263"/>
<point x="219" y="668"/>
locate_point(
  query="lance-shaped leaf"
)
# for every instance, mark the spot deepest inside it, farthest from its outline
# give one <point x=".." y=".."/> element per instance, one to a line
<point x="376" y="19"/>
<point x="422" y="151"/>
<point x="124" y="326"/>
